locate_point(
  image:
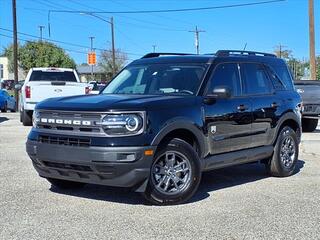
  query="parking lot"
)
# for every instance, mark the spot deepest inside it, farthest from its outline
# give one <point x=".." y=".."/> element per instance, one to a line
<point x="236" y="203"/>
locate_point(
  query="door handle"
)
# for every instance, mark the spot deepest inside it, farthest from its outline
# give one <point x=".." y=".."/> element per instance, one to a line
<point x="274" y="105"/>
<point x="242" y="107"/>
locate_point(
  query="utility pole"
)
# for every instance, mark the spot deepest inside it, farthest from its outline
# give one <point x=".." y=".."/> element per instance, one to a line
<point x="196" y="34"/>
<point x="279" y="50"/>
<point x="154" y="48"/>
<point x="41" y="28"/>
<point x="91" y="46"/>
<point x="113" y="48"/>
<point x="313" y="71"/>
<point x="15" y="50"/>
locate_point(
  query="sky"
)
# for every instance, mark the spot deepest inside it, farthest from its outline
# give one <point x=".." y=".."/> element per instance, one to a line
<point x="259" y="27"/>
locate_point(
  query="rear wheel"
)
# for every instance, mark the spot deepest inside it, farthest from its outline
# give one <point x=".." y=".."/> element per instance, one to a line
<point x="175" y="174"/>
<point x="64" y="184"/>
<point x="285" y="155"/>
<point x="309" y="125"/>
<point x="5" y="107"/>
<point x="26" y="118"/>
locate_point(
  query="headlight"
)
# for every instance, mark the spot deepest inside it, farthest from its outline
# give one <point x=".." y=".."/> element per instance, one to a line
<point x="123" y="124"/>
<point x="35" y="118"/>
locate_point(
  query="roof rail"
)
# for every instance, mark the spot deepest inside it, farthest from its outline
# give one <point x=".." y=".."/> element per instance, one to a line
<point x="152" y="55"/>
<point x="222" y="53"/>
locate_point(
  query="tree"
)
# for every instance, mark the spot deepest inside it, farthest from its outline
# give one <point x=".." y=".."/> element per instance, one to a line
<point x="39" y="54"/>
<point x="8" y="52"/>
<point x="318" y="67"/>
<point x="106" y="62"/>
<point x="297" y="67"/>
<point x="282" y="53"/>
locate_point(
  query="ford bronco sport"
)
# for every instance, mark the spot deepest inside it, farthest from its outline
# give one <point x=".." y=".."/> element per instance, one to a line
<point x="163" y="120"/>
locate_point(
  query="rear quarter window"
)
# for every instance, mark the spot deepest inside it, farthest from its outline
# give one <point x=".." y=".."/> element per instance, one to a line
<point x="281" y="73"/>
<point x="51" y="76"/>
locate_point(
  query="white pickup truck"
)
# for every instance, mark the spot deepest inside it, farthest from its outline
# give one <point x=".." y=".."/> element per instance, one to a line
<point x="43" y="83"/>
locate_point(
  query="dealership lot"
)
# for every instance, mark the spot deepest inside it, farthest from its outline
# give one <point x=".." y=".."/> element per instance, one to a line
<point x="237" y="203"/>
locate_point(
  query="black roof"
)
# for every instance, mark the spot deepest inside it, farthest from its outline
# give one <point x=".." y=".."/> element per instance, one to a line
<point x="223" y="55"/>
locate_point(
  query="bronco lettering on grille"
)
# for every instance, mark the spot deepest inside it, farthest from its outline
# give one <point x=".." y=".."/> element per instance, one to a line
<point x="65" y="121"/>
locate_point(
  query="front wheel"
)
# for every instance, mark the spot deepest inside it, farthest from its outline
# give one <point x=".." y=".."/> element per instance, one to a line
<point x="175" y="174"/>
<point x="285" y="155"/>
<point x="64" y="184"/>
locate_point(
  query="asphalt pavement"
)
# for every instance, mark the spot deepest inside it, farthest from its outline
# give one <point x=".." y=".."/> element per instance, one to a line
<point x="241" y="202"/>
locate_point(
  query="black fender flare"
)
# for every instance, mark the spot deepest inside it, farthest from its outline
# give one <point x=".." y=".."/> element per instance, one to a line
<point x="182" y="124"/>
<point x="287" y="116"/>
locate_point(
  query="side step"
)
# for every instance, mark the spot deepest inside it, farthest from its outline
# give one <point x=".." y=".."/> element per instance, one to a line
<point x="237" y="157"/>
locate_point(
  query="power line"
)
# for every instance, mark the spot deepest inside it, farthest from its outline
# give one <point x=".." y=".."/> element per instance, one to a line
<point x="175" y="10"/>
<point x="66" y="49"/>
<point x="67" y="43"/>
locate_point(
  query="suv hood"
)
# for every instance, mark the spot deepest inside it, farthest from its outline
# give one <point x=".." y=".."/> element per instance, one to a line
<point x="105" y="102"/>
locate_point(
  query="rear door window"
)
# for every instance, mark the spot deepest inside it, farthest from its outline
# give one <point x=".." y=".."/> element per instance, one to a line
<point x="51" y="76"/>
<point x="255" y="79"/>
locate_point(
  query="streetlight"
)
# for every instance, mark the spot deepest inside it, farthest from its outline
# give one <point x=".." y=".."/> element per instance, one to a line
<point x="112" y="36"/>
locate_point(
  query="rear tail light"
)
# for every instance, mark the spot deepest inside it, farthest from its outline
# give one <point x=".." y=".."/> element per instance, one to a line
<point x="87" y="90"/>
<point x="28" y="92"/>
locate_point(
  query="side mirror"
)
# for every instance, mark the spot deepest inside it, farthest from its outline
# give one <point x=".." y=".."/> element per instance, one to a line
<point x="18" y="87"/>
<point x="221" y="92"/>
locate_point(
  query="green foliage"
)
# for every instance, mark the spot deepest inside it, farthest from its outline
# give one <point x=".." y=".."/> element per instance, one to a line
<point x="297" y="67"/>
<point x="8" y="52"/>
<point x="39" y="54"/>
<point x="106" y="62"/>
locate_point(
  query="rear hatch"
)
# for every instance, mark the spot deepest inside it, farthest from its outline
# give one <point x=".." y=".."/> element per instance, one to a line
<point x="50" y="83"/>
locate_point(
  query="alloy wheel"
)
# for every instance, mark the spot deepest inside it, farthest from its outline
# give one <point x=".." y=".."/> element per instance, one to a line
<point x="171" y="173"/>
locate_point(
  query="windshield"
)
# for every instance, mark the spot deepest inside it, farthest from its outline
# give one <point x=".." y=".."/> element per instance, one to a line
<point x="158" y="79"/>
<point x="65" y="76"/>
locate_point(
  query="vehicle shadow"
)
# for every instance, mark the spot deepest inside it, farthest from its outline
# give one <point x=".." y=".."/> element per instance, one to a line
<point x="211" y="181"/>
<point x="233" y="176"/>
<point x="3" y="119"/>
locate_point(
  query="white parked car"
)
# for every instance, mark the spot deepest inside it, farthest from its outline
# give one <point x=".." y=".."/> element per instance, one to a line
<point x="43" y="83"/>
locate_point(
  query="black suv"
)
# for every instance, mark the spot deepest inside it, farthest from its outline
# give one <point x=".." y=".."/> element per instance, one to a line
<point x="163" y="120"/>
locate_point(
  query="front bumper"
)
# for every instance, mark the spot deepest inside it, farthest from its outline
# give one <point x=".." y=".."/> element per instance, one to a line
<point x="111" y="166"/>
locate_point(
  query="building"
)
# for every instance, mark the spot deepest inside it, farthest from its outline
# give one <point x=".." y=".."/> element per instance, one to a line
<point x="4" y="68"/>
<point x="5" y="73"/>
<point x="84" y="72"/>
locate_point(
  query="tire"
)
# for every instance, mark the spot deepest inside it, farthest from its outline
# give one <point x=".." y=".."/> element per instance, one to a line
<point x="64" y="184"/>
<point x="21" y="113"/>
<point x="309" y="125"/>
<point x="285" y="155"/>
<point x="176" y="165"/>
<point x="26" y="119"/>
<point x="5" y="107"/>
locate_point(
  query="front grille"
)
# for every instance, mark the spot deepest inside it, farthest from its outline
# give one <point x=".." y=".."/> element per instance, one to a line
<point x="66" y="123"/>
<point x="67" y="141"/>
